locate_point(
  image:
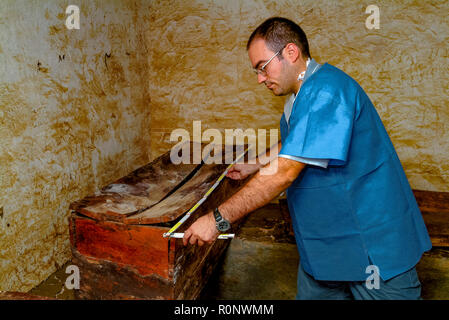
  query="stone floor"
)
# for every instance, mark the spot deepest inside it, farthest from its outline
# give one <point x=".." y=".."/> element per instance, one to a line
<point x="261" y="263"/>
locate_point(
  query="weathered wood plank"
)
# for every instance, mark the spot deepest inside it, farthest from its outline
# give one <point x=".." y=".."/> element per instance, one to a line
<point x="198" y="265"/>
<point x="186" y="196"/>
<point x="435" y="209"/>
<point x="182" y="200"/>
<point x="138" y="190"/>
<point x="431" y="201"/>
<point x="139" y="196"/>
<point x="140" y="247"/>
<point x="437" y="224"/>
<point x="106" y="280"/>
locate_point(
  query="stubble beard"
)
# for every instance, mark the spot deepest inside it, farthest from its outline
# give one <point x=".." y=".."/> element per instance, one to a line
<point x="280" y="88"/>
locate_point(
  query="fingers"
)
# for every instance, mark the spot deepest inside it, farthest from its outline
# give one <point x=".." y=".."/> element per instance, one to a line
<point x="231" y="175"/>
<point x="187" y="235"/>
<point x="231" y="172"/>
<point x="202" y="231"/>
<point x="192" y="239"/>
<point x="235" y="175"/>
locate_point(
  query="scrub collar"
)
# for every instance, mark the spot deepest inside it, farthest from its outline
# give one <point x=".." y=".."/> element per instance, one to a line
<point x="311" y="67"/>
<point x="302" y="74"/>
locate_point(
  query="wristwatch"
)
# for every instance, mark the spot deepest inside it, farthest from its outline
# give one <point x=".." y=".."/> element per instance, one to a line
<point x="221" y="223"/>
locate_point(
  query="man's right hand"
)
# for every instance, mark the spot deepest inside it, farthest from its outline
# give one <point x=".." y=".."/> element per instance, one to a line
<point x="240" y="171"/>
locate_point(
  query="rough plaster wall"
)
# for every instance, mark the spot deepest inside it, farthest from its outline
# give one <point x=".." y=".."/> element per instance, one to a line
<point x="74" y="115"/>
<point x="200" y="69"/>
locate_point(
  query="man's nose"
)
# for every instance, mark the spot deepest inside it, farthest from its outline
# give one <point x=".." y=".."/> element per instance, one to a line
<point x="261" y="78"/>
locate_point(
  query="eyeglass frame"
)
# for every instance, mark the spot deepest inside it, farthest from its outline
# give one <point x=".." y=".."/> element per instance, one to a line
<point x="262" y="70"/>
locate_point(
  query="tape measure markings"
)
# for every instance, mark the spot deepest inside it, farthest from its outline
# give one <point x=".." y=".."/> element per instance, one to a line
<point x="187" y="215"/>
<point x="224" y="236"/>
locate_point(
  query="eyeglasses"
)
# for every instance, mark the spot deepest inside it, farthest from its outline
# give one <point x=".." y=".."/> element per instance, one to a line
<point x="262" y="70"/>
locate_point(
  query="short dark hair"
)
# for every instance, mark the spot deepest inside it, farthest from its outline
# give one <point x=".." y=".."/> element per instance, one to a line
<point x="278" y="32"/>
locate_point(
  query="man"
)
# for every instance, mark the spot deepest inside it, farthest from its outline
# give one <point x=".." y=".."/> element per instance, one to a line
<point x="352" y="208"/>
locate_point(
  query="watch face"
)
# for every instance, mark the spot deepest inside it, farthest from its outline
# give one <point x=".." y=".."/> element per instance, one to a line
<point x="223" y="226"/>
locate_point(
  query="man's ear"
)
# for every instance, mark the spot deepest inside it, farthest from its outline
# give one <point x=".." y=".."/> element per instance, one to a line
<point x="292" y="52"/>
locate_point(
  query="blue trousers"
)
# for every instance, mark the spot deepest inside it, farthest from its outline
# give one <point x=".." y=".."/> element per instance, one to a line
<point x="405" y="286"/>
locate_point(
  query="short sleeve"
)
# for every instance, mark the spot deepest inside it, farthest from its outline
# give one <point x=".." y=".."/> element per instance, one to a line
<point x="320" y="127"/>
<point x="313" y="162"/>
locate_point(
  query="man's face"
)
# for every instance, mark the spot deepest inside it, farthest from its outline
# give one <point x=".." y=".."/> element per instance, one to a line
<point x="278" y="76"/>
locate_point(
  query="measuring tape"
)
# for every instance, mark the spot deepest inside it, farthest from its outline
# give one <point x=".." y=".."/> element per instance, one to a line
<point x="224" y="236"/>
<point x="171" y="232"/>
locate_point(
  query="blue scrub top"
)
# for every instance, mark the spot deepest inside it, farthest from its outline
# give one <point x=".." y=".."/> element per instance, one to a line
<point x="360" y="210"/>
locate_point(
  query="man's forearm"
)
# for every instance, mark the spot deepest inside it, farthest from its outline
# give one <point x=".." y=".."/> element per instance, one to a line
<point x="261" y="189"/>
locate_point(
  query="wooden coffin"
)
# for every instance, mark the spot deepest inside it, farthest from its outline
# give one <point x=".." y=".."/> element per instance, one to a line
<point x="117" y="234"/>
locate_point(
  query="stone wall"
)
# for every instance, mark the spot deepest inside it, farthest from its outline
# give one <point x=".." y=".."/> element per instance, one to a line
<point x="74" y="116"/>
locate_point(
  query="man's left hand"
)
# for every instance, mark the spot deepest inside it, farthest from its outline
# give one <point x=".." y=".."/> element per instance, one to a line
<point x="202" y="231"/>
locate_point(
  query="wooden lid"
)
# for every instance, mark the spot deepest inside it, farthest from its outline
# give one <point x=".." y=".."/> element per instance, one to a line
<point x="160" y="191"/>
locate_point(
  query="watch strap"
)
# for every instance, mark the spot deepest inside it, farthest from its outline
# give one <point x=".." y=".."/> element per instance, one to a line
<point x="217" y="215"/>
